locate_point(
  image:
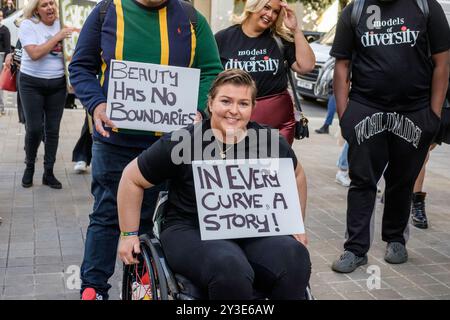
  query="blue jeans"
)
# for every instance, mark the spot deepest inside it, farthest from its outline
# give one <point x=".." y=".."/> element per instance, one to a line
<point x="108" y="162"/>
<point x="331" y="110"/>
<point x="342" y="161"/>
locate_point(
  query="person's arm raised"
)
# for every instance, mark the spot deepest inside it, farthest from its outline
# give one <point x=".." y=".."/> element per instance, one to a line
<point x="305" y="59"/>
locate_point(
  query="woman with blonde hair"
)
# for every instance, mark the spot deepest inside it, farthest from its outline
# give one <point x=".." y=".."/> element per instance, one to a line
<point x="265" y="36"/>
<point x="42" y="85"/>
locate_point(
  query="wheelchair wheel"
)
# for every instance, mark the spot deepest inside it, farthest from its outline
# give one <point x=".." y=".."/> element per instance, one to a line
<point x="144" y="281"/>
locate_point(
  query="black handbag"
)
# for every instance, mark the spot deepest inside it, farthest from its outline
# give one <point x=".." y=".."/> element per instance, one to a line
<point x="301" y="125"/>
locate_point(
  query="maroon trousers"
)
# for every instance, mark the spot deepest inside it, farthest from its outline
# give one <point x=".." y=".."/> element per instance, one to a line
<point x="276" y="111"/>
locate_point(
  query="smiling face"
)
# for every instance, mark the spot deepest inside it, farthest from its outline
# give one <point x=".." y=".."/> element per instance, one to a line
<point x="231" y="109"/>
<point x="267" y="16"/>
<point x="47" y="11"/>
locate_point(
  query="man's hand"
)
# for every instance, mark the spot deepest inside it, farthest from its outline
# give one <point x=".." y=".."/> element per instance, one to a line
<point x="302" y="238"/>
<point x="101" y="118"/>
<point x="128" y="246"/>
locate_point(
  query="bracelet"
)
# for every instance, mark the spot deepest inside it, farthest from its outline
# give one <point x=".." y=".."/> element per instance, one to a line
<point x="127" y="234"/>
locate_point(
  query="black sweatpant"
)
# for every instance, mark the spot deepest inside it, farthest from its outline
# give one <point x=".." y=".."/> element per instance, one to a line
<point x="383" y="143"/>
<point x="43" y="106"/>
<point x="229" y="269"/>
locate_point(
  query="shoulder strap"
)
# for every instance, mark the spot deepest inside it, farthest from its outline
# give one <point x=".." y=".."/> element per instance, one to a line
<point x="190" y="12"/>
<point x="423" y="5"/>
<point x="357" y="9"/>
<point x="288" y="72"/>
<point x="104" y="5"/>
<point x="279" y="44"/>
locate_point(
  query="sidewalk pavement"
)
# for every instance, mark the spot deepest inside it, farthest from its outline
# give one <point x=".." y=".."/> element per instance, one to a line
<point x="43" y="230"/>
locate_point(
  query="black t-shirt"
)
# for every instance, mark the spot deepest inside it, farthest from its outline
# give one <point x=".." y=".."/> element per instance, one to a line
<point x="157" y="164"/>
<point x="391" y="69"/>
<point x="259" y="56"/>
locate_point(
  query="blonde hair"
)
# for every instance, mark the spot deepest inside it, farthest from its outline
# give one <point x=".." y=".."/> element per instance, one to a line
<point x="278" y="28"/>
<point x="30" y="10"/>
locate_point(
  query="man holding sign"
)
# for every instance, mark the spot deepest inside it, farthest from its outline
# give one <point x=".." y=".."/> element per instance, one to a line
<point x="247" y="199"/>
<point x="160" y="32"/>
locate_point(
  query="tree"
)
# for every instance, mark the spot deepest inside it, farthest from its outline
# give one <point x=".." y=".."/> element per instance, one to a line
<point x="316" y="5"/>
<point x="319" y="5"/>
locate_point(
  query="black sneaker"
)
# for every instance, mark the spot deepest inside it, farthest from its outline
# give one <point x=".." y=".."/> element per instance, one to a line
<point x="396" y="253"/>
<point x="348" y="262"/>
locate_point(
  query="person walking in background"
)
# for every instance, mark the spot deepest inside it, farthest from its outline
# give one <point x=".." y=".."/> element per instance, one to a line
<point x="390" y="115"/>
<point x="154" y="31"/>
<point x="265" y="36"/>
<point x="5" y="49"/>
<point x="82" y="153"/>
<point x="70" y="101"/>
<point x="342" y="177"/>
<point x="42" y="85"/>
<point x="9" y="8"/>
<point x="331" y="110"/>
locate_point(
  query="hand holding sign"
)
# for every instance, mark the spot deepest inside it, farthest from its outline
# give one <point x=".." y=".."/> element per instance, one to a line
<point x="100" y="117"/>
<point x="152" y="97"/>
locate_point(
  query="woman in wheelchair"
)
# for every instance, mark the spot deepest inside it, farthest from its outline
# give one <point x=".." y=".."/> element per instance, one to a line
<point x="278" y="266"/>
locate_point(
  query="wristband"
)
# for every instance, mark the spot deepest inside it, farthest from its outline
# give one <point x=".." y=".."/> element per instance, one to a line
<point x="127" y="234"/>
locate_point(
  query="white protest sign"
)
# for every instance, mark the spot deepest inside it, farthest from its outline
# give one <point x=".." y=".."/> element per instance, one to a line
<point x="246" y="198"/>
<point x="151" y="97"/>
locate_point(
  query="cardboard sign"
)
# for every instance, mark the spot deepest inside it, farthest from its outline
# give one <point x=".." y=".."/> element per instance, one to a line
<point x="152" y="97"/>
<point x="246" y="198"/>
<point x="73" y="14"/>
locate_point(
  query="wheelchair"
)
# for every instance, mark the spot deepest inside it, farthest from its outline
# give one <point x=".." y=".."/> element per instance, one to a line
<point x="152" y="278"/>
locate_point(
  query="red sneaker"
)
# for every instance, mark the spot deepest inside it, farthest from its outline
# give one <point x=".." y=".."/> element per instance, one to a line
<point x="91" y="294"/>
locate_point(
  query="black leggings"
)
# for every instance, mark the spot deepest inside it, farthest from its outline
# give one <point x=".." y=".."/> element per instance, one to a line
<point x="43" y="106"/>
<point x="230" y="269"/>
